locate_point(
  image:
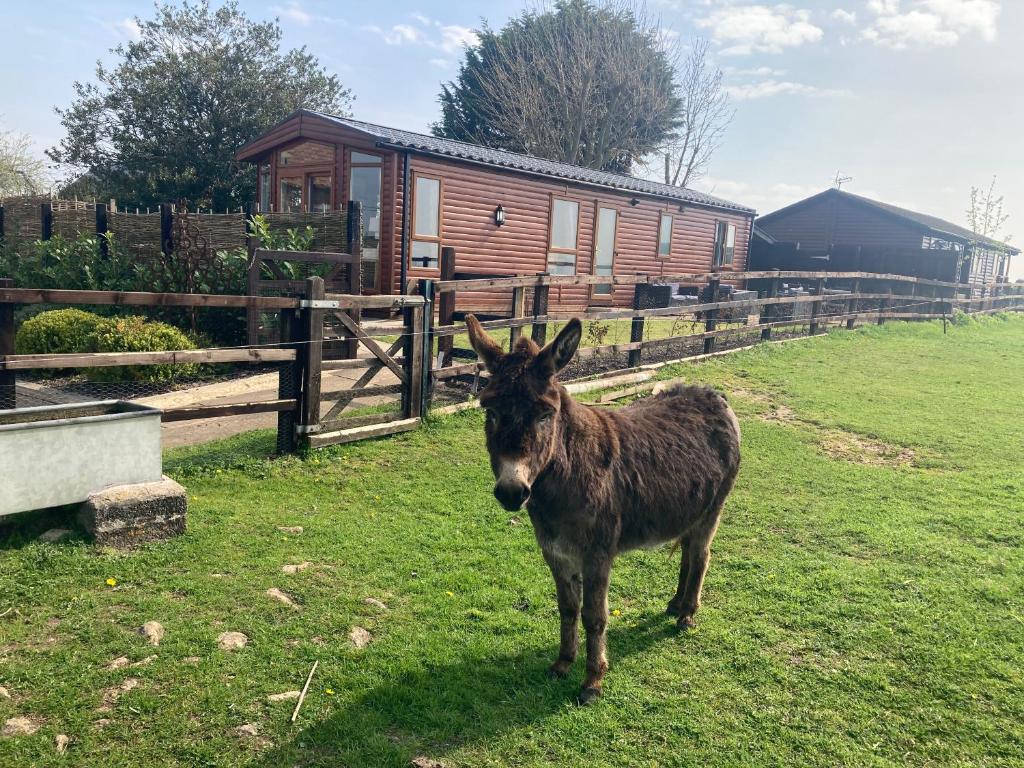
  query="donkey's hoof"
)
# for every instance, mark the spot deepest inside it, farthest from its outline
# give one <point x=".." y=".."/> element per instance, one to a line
<point x="685" y="623"/>
<point x="559" y="670"/>
<point x="588" y="696"/>
<point x="672" y="610"/>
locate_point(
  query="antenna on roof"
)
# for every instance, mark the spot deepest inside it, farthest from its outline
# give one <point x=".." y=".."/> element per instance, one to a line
<point x="839" y="180"/>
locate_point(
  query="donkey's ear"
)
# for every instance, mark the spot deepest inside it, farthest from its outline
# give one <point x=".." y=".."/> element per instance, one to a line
<point x="486" y="348"/>
<point x="556" y="355"/>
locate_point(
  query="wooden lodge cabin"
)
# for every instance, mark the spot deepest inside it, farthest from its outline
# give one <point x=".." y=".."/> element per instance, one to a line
<point x="842" y="232"/>
<point x="504" y="213"/>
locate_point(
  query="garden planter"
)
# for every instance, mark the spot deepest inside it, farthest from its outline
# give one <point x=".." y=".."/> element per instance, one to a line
<point x="62" y="454"/>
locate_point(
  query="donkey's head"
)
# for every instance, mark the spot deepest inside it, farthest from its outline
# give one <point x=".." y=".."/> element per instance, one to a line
<point x="523" y="404"/>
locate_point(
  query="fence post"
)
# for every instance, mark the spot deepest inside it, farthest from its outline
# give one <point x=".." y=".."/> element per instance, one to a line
<point x="46" y="219"/>
<point x="539" y="333"/>
<point x="711" y="315"/>
<point x="1" y="221"/>
<point x="853" y="304"/>
<point x="412" y="349"/>
<point x="518" y="311"/>
<point x="426" y="343"/>
<point x="354" y="247"/>
<point x="768" y="310"/>
<point x="312" y="322"/>
<point x="252" y="315"/>
<point x="446" y="306"/>
<point x="101" y="229"/>
<point x="8" y="392"/>
<point x="641" y="292"/>
<point x="289" y="385"/>
<point x="886" y="306"/>
<point x="819" y="290"/>
<point x="166" y="229"/>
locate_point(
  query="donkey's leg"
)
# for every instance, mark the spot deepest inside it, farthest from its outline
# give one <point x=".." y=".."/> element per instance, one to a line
<point x="595" y="622"/>
<point x="569" y="587"/>
<point x="684" y="570"/>
<point x="698" y="557"/>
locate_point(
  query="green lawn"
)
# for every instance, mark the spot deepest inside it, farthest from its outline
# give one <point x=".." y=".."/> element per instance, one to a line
<point x="864" y="605"/>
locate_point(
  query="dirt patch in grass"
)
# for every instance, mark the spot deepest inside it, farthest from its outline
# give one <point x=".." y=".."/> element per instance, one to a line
<point x="860" y="449"/>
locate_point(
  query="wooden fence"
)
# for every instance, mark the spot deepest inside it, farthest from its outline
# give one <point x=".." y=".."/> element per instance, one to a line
<point x="300" y="356"/>
<point x="822" y="300"/>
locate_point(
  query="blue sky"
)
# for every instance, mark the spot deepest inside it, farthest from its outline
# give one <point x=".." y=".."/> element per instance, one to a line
<point x="915" y="99"/>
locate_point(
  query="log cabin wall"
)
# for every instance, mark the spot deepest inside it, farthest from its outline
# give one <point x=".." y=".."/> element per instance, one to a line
<point x="827" y="221"/>
<point x="470" y="194"/>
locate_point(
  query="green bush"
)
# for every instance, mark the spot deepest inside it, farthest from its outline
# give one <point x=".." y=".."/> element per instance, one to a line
<point x="61" y="331"/>
<point x="67" y="331"/>
<point x="136" y="334"/>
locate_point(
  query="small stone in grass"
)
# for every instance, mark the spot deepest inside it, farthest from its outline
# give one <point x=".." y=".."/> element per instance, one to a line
<point x="425" y="762"/>
<point x="513" y="521"/>
<point x="232" y="641"/>
<point x="145" y="661"/>
<point x="120" y="661"/>
<point x="296" y="529"/>
<point x="111" y="695"/>
<point x="281" y="597"/>
<point x="153" y="631"/>
<point x="248" y="730"/>
<point x="360" y="637"/>
<point x="4" y="693"/>
<point x="286" y="696"/>
<point x="54" y="535"/>
<point x="293" y="569"/>
<point x="19" y="726"/>
<point x="375" y="603"/>
<point x="61" y="741"/>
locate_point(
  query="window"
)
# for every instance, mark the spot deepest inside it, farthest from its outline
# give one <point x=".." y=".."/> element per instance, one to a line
<point x="665" y="236"/>
<point x="364" y="186"/>
<point x="308" y="153"/>
<point x="291" y="195"/>
<point x="604" y="248"/>
<point x="565" y="216"/>
<point x="725" y="243"/>
<point x="264" y="188"/>
<point x="426" y="223"/>
<point x="319" y="193"/>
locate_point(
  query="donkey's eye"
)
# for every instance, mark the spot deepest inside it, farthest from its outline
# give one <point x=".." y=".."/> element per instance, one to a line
<point x="544" y="419"/>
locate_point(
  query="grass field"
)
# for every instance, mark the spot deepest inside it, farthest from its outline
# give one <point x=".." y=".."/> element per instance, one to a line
<point x="864" y="605"/>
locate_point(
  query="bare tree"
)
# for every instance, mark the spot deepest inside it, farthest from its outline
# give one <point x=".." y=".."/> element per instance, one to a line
<point x="704" y="115"/>
<point x="582" y="82"/>
<point x="22" y="172"/>
<point x="985" y="215"/>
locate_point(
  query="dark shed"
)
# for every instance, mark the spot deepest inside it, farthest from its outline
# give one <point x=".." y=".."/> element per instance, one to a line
<point x="841" y="231"/>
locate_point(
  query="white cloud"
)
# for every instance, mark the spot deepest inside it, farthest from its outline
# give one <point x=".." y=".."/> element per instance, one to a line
<point x="448" y="38"/>
<point x="746" y="29"/>
<point x="129" y="28"/>
<point x="766" y="88"/>
<point x="293" y="12"/>
<point x="454" y="37"/>
<point x="441" y="63"/>
<point x="764" y="197"/>
<point x="844" y="17"/>
<point x="931" y="23"/>
<point x="753" y="72"/>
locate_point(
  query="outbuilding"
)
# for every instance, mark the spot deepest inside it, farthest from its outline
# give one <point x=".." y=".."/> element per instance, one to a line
<point x="504" y="213"/>
<point x="842" y="232"/>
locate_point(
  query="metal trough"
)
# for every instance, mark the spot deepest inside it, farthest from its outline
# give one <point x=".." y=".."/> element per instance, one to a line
<point x="60" y="454"/>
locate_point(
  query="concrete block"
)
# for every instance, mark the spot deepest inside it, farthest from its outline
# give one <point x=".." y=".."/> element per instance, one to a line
<point x="128" y="515"/>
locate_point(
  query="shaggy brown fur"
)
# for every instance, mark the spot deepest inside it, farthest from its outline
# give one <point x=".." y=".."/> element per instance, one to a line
<point x="599" y="482"/>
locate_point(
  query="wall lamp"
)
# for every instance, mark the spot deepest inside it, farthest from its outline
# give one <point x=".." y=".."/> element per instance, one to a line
<point x="634" y="202"/>
<point x="499" y="215"/>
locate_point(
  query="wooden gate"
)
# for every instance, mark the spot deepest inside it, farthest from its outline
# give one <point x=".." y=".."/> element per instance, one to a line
<point x="393" y="375"/>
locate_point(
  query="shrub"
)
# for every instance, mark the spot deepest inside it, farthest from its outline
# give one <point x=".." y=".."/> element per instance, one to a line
<point x="136" y="334"/>
<point x="961" y="318"/>
<point x="67" y="331"/>
<point x="58" y="332"/>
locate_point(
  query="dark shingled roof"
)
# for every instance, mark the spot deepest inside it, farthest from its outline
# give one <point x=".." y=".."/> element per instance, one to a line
<point x="939" y="227"/>
<point x="500" y="158"/>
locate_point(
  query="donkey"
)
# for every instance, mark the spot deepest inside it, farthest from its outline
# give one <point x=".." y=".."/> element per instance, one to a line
<point x="597" y="482"/>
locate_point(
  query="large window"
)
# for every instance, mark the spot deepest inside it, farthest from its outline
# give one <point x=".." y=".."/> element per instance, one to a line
<point x="565" y="217"/>
<point x="725" y="243"/>
<point x="265" y="191"/>
<point x="426" y="223"/>
<point x="665" y="236"/>
<point x="291" y="195"/>
<point x="604" y="248"/>
<point x="319" y="192"/>
<point x="364" y="187"/>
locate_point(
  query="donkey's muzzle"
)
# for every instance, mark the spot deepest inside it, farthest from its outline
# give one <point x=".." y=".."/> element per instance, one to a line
<point x="512" y="495"/>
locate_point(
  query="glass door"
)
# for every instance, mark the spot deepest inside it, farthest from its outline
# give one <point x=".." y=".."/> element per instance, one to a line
<point x="365" y="186"/>
<point x="604" y="250"/>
